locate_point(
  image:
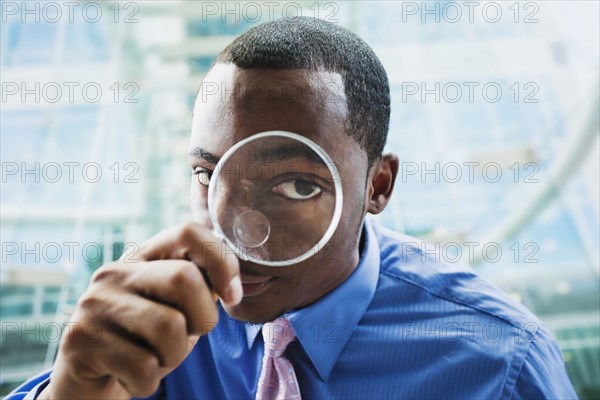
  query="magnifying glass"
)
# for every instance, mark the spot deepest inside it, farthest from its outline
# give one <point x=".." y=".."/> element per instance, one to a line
<point x="275" y="198"/>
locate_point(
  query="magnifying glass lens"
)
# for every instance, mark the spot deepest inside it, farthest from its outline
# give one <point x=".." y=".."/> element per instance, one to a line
<point x="275" y="198"/>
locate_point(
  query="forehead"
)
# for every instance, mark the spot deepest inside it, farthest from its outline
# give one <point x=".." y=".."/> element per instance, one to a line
<point x="233" y="104"/>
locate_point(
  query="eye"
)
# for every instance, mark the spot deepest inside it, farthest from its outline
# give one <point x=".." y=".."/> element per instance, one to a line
<point x="297" y="189"/>
<point x="203" y="176"/>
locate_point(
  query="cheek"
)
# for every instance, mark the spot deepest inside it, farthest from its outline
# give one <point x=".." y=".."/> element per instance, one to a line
<point x="199" y="205"/>
<point x="345" y="237"/>
<point x="353" y="210"/>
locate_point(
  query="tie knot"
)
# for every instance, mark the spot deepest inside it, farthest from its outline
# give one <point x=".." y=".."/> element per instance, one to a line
<point x="277" y="335"/>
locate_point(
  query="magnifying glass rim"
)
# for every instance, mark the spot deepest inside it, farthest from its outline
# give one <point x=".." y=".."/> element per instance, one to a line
<point x="337" y="213"/>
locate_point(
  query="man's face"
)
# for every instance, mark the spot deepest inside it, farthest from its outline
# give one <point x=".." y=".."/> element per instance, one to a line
<point x="235" y="104"/>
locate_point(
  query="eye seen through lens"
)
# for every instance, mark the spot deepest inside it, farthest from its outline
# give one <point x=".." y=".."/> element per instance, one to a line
<point x="298" y="189"/>
<point x="275" y="198"/>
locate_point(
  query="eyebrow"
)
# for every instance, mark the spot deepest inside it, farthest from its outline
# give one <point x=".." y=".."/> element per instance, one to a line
<point x="291" y="151"/>
<point x="199" y="152"/>
<point x="267" y="155"/>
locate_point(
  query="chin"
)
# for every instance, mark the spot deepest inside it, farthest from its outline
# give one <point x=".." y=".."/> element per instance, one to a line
<point x="256" y="312"/>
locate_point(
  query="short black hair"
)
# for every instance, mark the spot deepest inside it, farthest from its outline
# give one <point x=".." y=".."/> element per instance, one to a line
<point x="315" y="44"/>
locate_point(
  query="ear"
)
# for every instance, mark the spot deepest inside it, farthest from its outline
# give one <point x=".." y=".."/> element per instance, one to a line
<point x="380" y="183"/>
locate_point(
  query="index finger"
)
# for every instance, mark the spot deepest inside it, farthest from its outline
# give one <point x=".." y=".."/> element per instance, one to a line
<point x="195" y="243"/>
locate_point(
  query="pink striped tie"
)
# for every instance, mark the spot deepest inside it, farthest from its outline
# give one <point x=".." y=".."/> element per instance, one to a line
<point x="277" y="378"/>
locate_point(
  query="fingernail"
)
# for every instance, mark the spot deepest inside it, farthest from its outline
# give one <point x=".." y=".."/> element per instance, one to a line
<point x="235" y="290"/>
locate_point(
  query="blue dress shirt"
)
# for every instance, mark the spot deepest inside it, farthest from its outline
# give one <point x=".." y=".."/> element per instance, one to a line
<point x="401" y="326"/>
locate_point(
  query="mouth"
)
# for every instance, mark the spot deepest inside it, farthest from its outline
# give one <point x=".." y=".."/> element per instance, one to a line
<point x="255" y="285"/>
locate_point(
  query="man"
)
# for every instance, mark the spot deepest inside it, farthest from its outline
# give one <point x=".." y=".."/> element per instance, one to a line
<point x="375" y="319"/>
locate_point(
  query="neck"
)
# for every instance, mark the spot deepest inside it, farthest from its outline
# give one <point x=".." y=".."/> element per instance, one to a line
<point x="346" y="269"/>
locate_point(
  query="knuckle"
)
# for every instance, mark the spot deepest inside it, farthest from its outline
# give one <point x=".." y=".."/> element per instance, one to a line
<point x="172" y="325"/>
<point x="109" y="272"/>
<point x="188" y="231"/>
<point x="149" y="388"/>
<point x="89" y="301"/>
<point x="186" y="277"/>
<point x="147" y="372"/>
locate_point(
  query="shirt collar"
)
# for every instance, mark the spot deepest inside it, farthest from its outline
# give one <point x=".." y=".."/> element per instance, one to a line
<point x="324" y="327"/>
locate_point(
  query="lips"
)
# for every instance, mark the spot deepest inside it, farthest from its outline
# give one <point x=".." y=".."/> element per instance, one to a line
<point x="255" y="285"/>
